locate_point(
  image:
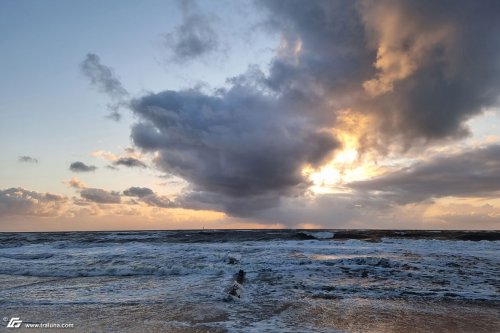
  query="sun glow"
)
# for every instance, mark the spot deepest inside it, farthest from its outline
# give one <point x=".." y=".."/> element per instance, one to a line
<point x="344" y="168"/>
<point x="347" y="165"/>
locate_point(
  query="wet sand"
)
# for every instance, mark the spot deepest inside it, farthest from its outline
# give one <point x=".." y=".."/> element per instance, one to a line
<point x="341" y="315"/>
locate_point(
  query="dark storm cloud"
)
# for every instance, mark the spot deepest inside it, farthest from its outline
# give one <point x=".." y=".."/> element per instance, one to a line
<point x="27" y="159"/>
<point x="416" y="69"/>
<point x="421" y="67"/>
<point x="129" y="162"/>
<point x="138" y="192"/>
<point x="19" y="201"/>
<point x="98" y="195"/>
<point x="238" y="146"/>
<point x="474" y="173"/>
<point x="82" y="167"/>
<point x="104" y="78"/>
<point x="242" y="206"/>
<point x="194" y="37"/>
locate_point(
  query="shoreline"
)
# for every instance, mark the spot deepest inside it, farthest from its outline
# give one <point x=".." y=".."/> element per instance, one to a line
<point x="340" y="315"/>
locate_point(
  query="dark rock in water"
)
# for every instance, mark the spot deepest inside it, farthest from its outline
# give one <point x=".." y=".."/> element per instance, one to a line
<point x="236" y="290"/>
<point x="240" y="277"/>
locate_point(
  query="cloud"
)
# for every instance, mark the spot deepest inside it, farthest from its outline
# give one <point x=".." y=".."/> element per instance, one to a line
<point x="129" y="162"/>
<point x="75" y="183"/>
<point x="147" y="196"/>
<point x="27" y="159"/>
<point x="394" y="75"/>
<point x="240" y="206"/>
<point x="138" y="192"/>
<point x="106" y="81"/>
<point x="403" y="41"/>
<point x="19" y="201"/>
<point x="100" y="196"/>
<point x="240" y="144"/>
<point x="131" y="159"/>
<point x="161" y="201"/>
<point x="418" y="69"/>
<point x="466" y="216"/>
<point x="82" y="167"/>
<point x="106" y="155"/>
<point x="194" y="37"/>
<point x="472" y="173"/>
<point x="335" y="210"/>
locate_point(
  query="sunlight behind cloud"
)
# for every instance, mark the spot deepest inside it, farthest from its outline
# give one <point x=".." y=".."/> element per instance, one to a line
<point x="349" y="164"/>
<point x="344" y="168"/>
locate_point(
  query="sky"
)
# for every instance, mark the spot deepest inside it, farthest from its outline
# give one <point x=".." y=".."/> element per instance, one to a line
<point x="127" y="115"/>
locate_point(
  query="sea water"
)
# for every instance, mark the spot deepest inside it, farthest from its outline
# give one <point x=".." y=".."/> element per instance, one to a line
<point x="295" y="281"/>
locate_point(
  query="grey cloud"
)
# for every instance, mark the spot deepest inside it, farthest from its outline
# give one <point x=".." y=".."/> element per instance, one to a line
<point x="114" y="113"/>
<point x="103" y="77"/>
<point x="418" y="69"/>
<point x="238" y="144"/>
<point x="19" y="201"/>
<point x="130" y="150"/>
<point x="106" y="81"/>
<point x="147" y="196"/>
<point x="100" y="196"/>
<point x="194" y="37"/>
<point x="160" y="201"/>
<point x="473" y="173"/>
<point x="27" y="159"/>
<point x="245" y="206"/>
<point x="129" y="162"/>
<point x="334" y="210"/>
<point x="138" y="192"/>
<point x="422" y="68"/>
<point x="82" y="167"/>
<point x="143" y="194"/>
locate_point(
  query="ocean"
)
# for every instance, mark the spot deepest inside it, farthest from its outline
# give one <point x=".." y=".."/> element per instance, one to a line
<point x="294" y="281"/>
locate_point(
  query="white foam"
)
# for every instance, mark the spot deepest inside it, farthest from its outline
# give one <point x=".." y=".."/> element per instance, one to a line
<point x="321" y="234"/>
<point x="280" y="270"/>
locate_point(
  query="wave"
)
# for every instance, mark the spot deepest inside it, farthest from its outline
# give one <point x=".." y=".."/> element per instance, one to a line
<point x="320" y="234"/>
<point x="44" y="271"/>
<point x="26" y="256"/>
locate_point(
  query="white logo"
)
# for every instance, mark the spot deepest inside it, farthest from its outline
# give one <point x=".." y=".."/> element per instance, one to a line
<point x="15" y="322"/>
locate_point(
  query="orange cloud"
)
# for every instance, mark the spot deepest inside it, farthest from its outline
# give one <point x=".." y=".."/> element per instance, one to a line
<point x="403" y="43"/>
<point x="75" y="183"/>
